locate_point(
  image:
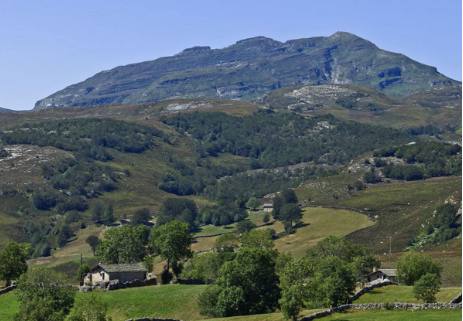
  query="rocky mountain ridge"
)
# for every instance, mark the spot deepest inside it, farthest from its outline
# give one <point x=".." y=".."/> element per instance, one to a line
<point x="251" y="68"/>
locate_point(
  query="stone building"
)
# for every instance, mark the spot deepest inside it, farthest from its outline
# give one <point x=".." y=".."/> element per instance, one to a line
<point x="102" y="274"/>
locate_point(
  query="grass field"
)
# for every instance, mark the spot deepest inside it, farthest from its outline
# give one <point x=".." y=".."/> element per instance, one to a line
<point x="9" y="306"/>
<point x="174" y="301"/>
<point x="317" y="224"/>
<point x="401" y="293"/>
<point x="320" y="223"/>
<point x="383" y="315"/>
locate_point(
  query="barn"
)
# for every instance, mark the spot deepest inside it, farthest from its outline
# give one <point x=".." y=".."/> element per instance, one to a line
<point x="104" y="273"/>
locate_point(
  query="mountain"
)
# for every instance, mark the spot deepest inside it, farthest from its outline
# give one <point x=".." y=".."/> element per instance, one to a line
<point x="251" y="68"/>
<point x="6" y="110"/>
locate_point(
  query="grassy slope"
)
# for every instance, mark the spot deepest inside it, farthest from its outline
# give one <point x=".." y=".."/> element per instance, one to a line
<point x="401" y="208"/>
<point x="401" y="293"/>
<point x="174" y="301"/>
<point x="317" y="224"/>
<point x="383" y="315"/>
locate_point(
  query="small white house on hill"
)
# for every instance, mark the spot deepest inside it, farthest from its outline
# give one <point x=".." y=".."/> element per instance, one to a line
<point x="381" y="276"/>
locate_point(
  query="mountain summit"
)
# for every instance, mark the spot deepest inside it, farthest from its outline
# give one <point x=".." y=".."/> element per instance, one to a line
<point x="251" y="68"/>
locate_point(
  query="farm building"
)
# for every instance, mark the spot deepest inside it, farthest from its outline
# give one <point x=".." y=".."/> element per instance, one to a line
<point x="268" y="207"/>
<point x="382" y="275"/>
<point x="267" y="203"/>
<point x="104" y="273"/>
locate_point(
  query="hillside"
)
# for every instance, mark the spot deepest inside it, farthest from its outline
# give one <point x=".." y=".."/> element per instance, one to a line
<point x="249" y="69"/>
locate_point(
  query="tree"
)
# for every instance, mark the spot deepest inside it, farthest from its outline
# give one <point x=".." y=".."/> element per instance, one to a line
<point x="333" y="282"/>
<point x="83" y="270"/>
<point x="258" y="239"/>
<point x="108" y="215"/>
<point x="172" y="241"/>
<point x="44" y="296"/>
<point x="178" y="209"/>
<point x="290" y="214"/>
<point x="141" y="216"/>
<point x="227" y="242"/>
<point x="245" y="226"/>
<point x="125" y="244"/>
<point x="252" y="203"/>
<point x="289" y="196"/>
<point x="93" y="241"/>
<point x="370" y="177"/>
<point x="248" y="284"/>
<point x="13" y="261"/>
<point x="427" y="287"/>
<point x="89" y="308"/>
<point x="204" y="267"/>
<point x="412" y="266"/>
<point x="266" y="218"/>
<point x="97" y="212"/>
<point x="294" y="277"/>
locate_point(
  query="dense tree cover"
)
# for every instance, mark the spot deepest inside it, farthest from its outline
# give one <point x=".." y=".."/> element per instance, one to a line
<point x="222" y="214"/>
<point x="205" y="267"/>
<point x="443" y="225"/>
<point x="79" y="177"/>
<point x="248" y="284"/>
<point x="181" y="209"/>
<point x="125" y="244"/>
<point x="427" y="287"/>
<point x="13" y="261"/>
<point x="88" y="137"/>
<point x="172" y="241"/>
<point x="412" y="266"/>
<point x="326" y="276"/>
<point x="278" y="139"/>
<point x="252" y="203"/>
<point x="422" y="159"/>
<point x="44" y="295"/>
<point x="244" y="226"/>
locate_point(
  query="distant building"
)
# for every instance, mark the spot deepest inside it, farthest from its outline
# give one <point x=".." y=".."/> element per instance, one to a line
<point x="268" y="207"/>
<point x="104" y="273"/>
<point x="382" y="275"/>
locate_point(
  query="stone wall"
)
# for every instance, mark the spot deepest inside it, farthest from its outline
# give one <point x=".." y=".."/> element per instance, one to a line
<point x="7" y="289"/>
<point x="369" y="288"/>
<point x="387" y="306"/>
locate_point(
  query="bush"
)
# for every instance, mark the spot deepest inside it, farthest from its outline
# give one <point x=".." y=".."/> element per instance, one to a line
<point x="427" y="287"/>
<point x="412" y="266"/>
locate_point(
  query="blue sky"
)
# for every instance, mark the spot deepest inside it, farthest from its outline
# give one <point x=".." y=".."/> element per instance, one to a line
<point x="49" y="44"/>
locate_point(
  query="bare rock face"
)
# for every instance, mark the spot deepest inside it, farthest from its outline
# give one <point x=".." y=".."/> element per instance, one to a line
<point x="251" y="68"/>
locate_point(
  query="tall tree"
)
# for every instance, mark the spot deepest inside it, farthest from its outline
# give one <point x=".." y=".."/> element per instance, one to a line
<point x="184" y="210"/>
<point x="412" y="266"/>
<point x="108" y="215"/>
<point x="290" y="214"/>
<point x="13" y="261"/>
<point x="126" y="244"/>
<point x="93" y="241"/>
<point x="246" y="285"/>
<point x="44" y="296"/>
<point x="172" y="241"/>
